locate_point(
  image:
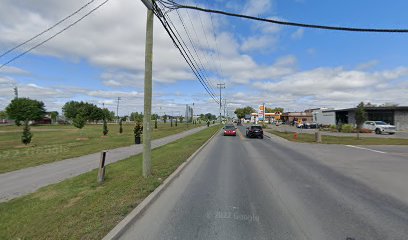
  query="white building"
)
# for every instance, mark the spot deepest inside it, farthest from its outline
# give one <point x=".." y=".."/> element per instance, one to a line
<point x="324" y="116"/>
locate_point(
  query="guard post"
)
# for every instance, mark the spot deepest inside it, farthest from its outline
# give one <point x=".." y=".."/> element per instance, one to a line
<point x="101" y="172"/>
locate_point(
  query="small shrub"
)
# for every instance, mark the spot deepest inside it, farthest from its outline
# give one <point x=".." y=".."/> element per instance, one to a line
<point x="347" y="128"/>
<point x="333" y="128"/>
<point x="138" y="129"/>
<point x="120" y="126"/>
<point x="79" y="121"/>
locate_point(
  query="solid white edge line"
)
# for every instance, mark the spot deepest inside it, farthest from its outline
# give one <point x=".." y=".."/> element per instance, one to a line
<point x="368" y="149"/>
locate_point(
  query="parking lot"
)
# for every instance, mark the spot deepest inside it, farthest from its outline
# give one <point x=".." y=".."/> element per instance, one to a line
<point x="287" y="128"/>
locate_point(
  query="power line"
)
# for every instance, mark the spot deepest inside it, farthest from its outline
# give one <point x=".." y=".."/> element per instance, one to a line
<point x="173" y="5"/>
<point x="53" y="36"/>
<point x="209" y="47"/>
<point x="48" y="29"/>
<point x="216" y="45"/>
<point x="195" y="32"/>
<point x="182" y="51"/>
<point x="183" y="47"/>
<point x="195" y="50"/>
<point x="175" y="39"/>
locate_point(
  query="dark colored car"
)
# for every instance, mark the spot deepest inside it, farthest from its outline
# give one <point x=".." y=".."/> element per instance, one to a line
<point x="230" y="130"/>
<point x="312" y="125"/>
<point x="254" y="131"/>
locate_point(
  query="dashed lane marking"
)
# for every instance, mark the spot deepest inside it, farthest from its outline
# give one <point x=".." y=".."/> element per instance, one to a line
<point x="368" y="149"/>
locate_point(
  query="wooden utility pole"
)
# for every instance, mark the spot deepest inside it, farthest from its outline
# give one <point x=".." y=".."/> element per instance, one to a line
<point x="220" y="86"/>
<point x="147" y="128"/>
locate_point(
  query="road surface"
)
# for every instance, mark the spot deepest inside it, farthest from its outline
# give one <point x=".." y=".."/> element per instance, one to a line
<point x="21" y="182"/>
<point x="238" y="188"/>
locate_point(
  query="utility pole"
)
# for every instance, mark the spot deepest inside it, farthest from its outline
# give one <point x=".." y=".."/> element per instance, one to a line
<point x="263" y="112"/>
<point x="117" y="109"/>
<point x="225" y="105"/>
<point x="220" y="86"/>
<point x="15" y="92"/>
<point x="147" y="151"/>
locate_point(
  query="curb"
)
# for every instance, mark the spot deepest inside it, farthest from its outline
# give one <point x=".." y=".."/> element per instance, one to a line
<point x="123" y="225"/>
<point x="273" y="136"/>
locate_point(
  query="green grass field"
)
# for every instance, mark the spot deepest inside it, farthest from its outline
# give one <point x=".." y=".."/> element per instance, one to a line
<point x="57" y="142"/>
<point x="79" y="208"/>
<point x="310" y="138"/>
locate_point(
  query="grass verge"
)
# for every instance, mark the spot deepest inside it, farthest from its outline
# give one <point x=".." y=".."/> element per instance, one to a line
<point x="310" y="138"/>
<point x="79" y="208"/>
<point x="57" y="142"/>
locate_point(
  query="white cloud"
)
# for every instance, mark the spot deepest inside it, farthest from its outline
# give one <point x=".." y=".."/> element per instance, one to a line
<point x="13" y="70"/>
<point x="259" y="43"/>
<point x="367" y="65"/>
<point x="115" y="94"/>
<point x="269" y="28"/>
<point x="6" y="81"/>
<point x="338" y="87"/>
<point x="298" y="34"/>
<point x="257" y="7"/>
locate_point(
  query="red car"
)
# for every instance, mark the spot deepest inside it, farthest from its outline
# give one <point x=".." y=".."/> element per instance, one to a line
<point x="230" y="130"/>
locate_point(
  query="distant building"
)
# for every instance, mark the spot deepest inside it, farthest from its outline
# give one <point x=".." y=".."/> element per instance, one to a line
<point x="290" y="117"/>
<point x="395" y="115"/>
<point x="324" y="116"/>
<point x="256" y="117"/>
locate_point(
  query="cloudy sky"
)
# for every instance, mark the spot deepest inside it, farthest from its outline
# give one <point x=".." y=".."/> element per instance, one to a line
<point x="102" y="57"/>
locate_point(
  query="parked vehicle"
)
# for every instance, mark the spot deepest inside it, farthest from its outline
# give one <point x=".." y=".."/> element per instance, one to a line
<point x="312" y="125"/>
<point x="254" y="131"/>
<point x="230" y="130"/>
<point x="379" y="127"/>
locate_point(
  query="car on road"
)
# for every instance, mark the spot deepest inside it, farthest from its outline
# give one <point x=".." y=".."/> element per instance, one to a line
<point x="230" y="130"/>
<point x="254" y="131"/>
<point x="311" y="125"/>
<point x="379" y="127"/>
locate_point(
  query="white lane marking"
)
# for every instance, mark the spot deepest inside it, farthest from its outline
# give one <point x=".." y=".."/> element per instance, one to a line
<point x="368" y="149"/>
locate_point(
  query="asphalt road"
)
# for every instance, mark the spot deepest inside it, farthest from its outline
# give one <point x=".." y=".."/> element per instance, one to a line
<point x="238" y="188"/>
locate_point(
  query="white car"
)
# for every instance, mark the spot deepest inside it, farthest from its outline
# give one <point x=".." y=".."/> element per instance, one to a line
<point x="379" y="127"/>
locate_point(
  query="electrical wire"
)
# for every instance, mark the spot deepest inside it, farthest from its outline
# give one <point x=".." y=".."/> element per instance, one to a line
<point x="54" y="35"/>
<point x="47" y="30"/>
<point x="195" y="50"/>
<point x="172" y="5"/>
<point x="182" y="50"/>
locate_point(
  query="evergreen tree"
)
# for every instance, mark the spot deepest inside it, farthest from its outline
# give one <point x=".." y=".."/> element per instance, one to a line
<point x="27" y="135"/>
<point x="120" y="126"/>
<point x="105" y="127"/>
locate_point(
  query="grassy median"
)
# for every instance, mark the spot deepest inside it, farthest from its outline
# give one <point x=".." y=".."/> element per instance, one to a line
<point x="57" y="142"/>
<point x="310" y="138"/>
<point x="79" y="208"/>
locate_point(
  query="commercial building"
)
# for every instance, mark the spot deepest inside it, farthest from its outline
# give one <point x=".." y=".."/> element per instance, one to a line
<point x="395" y="115"/>
<point x="290" y="117"/>
<point x="324" y="116"/>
